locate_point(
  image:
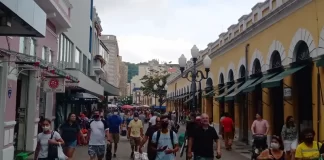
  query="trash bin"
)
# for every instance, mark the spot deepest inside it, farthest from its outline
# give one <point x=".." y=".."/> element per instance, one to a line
<point x="22" y="156"/>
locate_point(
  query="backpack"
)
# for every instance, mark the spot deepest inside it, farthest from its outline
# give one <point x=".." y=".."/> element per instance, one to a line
<point x="159" y="134"/>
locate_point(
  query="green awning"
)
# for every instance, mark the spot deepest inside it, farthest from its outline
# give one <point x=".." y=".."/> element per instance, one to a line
<point x="320" y="63"/>
<point x="211" y="93"/>
<point x="246" y="84"/>
<point x="276" y="81"/>
<point x="253" y="86"/>
<point x="235" y="85"/>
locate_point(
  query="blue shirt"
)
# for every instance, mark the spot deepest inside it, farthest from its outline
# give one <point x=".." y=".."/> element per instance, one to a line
<point x="165" y="140"/>
<point x="114" y="123"/>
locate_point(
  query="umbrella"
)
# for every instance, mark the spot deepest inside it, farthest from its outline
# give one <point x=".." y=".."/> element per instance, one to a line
<point x="146" y="106"/>
<point x="127" y="107"/>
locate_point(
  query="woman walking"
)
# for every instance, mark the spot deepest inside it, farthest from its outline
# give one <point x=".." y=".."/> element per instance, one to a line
<point x="289" y="135"/>
<point x="70" y="130"/>
<point x="45" y="138"/>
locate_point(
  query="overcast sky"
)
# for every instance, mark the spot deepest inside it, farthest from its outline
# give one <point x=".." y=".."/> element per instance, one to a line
<point x="165" y="29"/>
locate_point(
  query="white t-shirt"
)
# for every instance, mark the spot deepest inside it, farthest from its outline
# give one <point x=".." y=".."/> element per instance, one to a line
<point x="97" y="133"/>
<point x="42" y="139"/>
<point x="152" y="120"/>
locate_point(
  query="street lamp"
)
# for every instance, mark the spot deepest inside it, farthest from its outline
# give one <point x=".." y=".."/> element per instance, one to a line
<point x="161" y="89"/>
<point x="194" y="73"/>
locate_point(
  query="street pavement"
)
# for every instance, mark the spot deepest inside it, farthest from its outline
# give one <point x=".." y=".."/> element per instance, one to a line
<point x="124" y="151"/>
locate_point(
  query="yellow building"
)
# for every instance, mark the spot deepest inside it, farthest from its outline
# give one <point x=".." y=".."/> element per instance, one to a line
<point x="269" y="63"/>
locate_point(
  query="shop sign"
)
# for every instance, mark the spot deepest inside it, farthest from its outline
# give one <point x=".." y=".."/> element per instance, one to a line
<point x="9" y="91"/>
<point x="54" y="85"/>
<point x="287" y="92"/>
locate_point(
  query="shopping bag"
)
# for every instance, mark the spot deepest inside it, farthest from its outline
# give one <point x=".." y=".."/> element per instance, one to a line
<point x="139" y="156"/>
<point x="60" y="153"/>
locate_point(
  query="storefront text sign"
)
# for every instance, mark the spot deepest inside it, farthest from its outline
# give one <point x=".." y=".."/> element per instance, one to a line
<point x="287" y="92"/>
<point x="9" y="90"/>
<point x="54" y="85"/>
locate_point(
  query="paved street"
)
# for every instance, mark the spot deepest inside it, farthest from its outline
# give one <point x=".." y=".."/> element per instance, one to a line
<point x="124" y="151"/>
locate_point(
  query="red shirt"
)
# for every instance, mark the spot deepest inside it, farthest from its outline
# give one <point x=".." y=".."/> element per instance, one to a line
<point x="227" y="124"/>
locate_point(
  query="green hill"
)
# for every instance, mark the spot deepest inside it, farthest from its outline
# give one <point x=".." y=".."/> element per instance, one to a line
<point x="132" y="70"/>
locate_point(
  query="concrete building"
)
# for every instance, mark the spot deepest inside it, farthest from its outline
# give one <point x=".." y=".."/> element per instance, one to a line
<point x="151" y="68"/>
<point x="113" y="62"/>
<point x="32" y="60"/>
<point x="123" y="72"/>
<point x="267" y="63"/>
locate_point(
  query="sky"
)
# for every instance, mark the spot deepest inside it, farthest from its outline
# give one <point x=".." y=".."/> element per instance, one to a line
<point x="165" y="29"/>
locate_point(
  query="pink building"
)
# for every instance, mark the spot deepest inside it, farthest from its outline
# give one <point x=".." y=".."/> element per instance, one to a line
<point x="28" y="58"/>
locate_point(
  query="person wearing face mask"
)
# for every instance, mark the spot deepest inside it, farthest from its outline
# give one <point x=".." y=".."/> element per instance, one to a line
<point x="44" y="139"/>
<point x="99" y="131"/>
<point x="308" y="149"/>
<point x="115" y="122"/>
<point x="275" y="152"/>
<point x="289" y="135"/>
<point x="165" y="141"/>
<point x="70" y="130"/>
<point x="148" y="137"/>
<point x="135" y="132"/>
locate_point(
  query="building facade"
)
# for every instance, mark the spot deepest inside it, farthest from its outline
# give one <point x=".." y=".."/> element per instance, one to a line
<point x="151" y="68"/>
<point x="123" y="72"/>
<point x="27" y="60"/>
<point x="113" y="62"/>
<point x="270" y="62"/>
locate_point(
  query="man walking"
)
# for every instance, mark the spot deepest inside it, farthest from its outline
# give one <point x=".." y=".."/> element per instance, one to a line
<point x="114" y="128"/>
<point x="165" y="141"/>
<point x="135" y="132"/>
<point x="148" y="136"/>
<point x="229" y="130"/>
<point x="204" y="138"/>
<point x="98" y="130"/>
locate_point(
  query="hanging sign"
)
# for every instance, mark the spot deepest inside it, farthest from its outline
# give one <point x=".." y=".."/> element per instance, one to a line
<point x="54" y="85"/>
<point x="287" y="92"/>
<point x="9" y="91"/>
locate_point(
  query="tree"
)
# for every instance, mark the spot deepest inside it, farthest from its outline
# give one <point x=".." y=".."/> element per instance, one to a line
<point x="149" y="81"/>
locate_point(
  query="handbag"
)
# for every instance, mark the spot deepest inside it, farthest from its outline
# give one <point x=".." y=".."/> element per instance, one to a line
<point x="52" y="149"/>
<point x="60" y="153"/>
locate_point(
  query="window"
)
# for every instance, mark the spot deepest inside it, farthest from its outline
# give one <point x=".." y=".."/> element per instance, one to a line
<point x="22" y="45"/>
<point x="89" y="62"/>
<point x="50" y="56"/>
<point x="91" y="9"/>
<point x="43" y="53"/>
<point x="90" y="40"/>
<point x="65" y="51"/>
<point x="84" y="64"/>
<point x="77" y="58"/>
<point x="32" y="47"/>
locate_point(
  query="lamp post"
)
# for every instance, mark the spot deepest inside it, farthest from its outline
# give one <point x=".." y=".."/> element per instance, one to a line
<point x="194" y="73"/>
<point x="161" y="90"/>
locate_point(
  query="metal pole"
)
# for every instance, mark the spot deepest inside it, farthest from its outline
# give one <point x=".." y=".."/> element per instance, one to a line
<point x="193" y="83"/>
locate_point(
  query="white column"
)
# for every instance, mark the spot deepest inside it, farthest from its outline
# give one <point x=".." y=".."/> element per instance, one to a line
<point x="32" y="117"/>
<point x="3" y="103"/>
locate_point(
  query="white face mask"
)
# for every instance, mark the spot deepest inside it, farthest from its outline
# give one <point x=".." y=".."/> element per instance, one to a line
<point x="135" y="118"/>
<point x="115" y="113"/>
<point x="46" y="128"/>
<point x="274" y="145"/>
